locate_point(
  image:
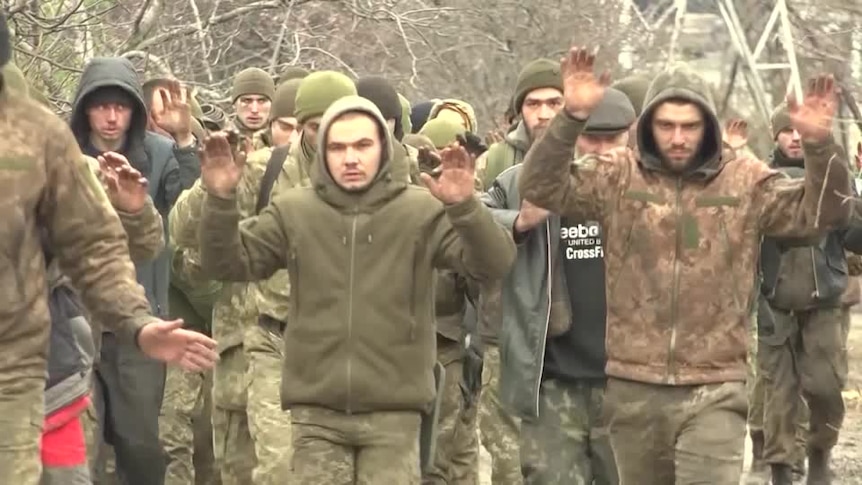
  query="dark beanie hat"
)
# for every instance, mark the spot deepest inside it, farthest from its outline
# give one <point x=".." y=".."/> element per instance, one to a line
<point x="635" y="87"/>
<point x="613" y="115"/>
<point x="292" y="72"/>
<point x="419" y="114"/>
<point x="780" y="120"/>
<point x="5" y="41"/>
<point x="541" y="73"/>
<point x="378" y="90"/>
<point x="252" y="81"/>
<point x="284" y="104"/>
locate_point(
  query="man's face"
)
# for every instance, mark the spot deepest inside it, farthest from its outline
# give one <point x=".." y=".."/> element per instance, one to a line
<point x="539" y="108"/>
<point x="310" y="129"/>
<point x="110" y="121"/>
<point x="789" y="143"/>
<point x="678" y="128"/>
<point x="284" y="131"/>
<point x="589" y="144"/>
<point x="353" y="151"/>
<point x="253" y="110"/>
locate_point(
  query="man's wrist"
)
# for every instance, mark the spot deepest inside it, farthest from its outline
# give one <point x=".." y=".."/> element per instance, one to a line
<point x="184" y="140"/>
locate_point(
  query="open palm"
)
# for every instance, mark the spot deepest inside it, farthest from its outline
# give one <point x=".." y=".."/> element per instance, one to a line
<point x="220" y="169"/>
<point x="813" y="117"/>
<point x="456" y="180"/>
<point x="583" y="90"/>
<point x="126" y="187"/>
<point x="171" y="109"/>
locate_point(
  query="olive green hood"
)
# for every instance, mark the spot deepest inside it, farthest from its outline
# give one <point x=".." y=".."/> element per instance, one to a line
<point x="385" y="184"/>
<point x="680" y="82"/>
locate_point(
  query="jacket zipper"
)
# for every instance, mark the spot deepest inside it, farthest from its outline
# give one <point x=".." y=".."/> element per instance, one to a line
<point x="675" y="290"/>
<point x="350" y="311"/>
<point x="814" y="272"/>
<point x="547" y="318"/>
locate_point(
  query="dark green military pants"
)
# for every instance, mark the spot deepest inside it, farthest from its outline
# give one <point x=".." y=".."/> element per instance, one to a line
<point x="676" y="435"/>
<point x="811" y="361"/>
<point x="569" y="442"/>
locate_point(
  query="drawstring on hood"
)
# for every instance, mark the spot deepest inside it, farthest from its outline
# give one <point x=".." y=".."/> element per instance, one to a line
<point x="680" y="82"/>
<point x="385" y="185"/>
<point x="113" y="73"/>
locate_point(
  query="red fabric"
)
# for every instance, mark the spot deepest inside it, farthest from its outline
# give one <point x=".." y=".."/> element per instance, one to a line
<point x="63" y="443"/>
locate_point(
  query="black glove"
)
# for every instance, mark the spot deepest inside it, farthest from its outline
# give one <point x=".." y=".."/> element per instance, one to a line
<point x="472" y="143"/>
<point x="471" y="380"/>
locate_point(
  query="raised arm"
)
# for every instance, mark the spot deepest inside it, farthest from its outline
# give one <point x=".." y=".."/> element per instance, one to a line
<point x="551" y="178"/>
<point x="821" y="201"/>
<point x="230" y="251"/>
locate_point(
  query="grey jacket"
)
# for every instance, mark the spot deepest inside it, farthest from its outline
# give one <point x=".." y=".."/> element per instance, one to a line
<point x="169" y="169"/>
<point x="526" y="299"/>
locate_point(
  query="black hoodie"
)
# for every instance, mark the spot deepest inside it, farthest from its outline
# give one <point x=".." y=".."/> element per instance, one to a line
<point x="169" y="169"/>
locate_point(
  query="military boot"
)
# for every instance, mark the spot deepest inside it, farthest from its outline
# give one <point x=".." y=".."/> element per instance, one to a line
<point x="782" y="474"/>
<point x="757" y="463"/>
<point x="818" y="467"/>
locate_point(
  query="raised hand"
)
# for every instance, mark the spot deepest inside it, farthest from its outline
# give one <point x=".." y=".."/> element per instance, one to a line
<point x="221" y="167"/>
<point x="126" y="187"/>
<point x="813" y="117"/>
<point x="582" y="89"/>
<point x="735" y="133"/>
<point x="456" y="180"/>
<point x="171" y="110"/>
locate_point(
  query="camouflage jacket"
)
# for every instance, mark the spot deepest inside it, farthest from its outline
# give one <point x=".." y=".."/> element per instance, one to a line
<point x="45" y="183"/>
<point x="259" y="139"/>
<point x="681" y="251"/>
<point x="235" y="307"/>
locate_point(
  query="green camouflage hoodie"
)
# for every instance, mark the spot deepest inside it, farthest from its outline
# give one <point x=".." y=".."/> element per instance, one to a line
<point x="361" y="334"/>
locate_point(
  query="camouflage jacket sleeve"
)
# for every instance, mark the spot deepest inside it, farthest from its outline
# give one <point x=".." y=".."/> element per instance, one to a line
<point x="88" y="239"/>
<point x="552" y="180"/>
<point x="232" y="252"/>
<point x="184" y="218"/>
<point x="145" y="232"/>
<point x="469" y="242"/>
<point x="801" y="207"/>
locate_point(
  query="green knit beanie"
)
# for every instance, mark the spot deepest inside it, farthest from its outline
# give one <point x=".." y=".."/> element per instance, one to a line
<point x="284" y="103"/>
<point x="13" y="78"/>
<point x="318" y="91"/>
<point x="252" y="81"/>
<point x="538" y="74"/>
<point x="780" y="120"/>
<point x="406" y="124"/>
<point x="635" y="87"/>
<point x="442" y="132"/>
<point x="292" y="72"/>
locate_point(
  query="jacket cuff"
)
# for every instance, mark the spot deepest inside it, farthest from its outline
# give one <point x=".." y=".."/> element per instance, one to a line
<point x="566" y="128"/>
<point x="463" y="210"/>
<point x="130" y="330"/>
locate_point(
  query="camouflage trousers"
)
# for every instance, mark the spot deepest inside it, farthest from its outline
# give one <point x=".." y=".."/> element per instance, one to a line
<point x="568" y="443"/>
<point x="457" y="454"/>
<point x="331" y="447"/>
<point x="269" y="425"/>
<point x="185" y="429"/>
<point x="663" y="435"/>
<point x="499" y="429"/>
<point x="233" y="447"/>
<point x="22" y="411"/>
<point x="811" y="361"/>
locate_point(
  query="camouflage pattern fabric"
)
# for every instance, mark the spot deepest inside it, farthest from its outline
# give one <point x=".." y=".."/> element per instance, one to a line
<point x="457" y="457"/>
<point x="812" y="361"/>
<point x="499" y="429"/>
<point x="270" y="426"/>
<point x="662" y="435"/>
<point x="232" y="444"/>
<point x="568" y="443"/>
<point x="363" y="449"/>
<point x="185" y="428"/>
<point x="21" y="415"/>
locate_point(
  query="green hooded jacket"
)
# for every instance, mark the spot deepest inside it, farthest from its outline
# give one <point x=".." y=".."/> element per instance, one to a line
<point x="361" y="333"/>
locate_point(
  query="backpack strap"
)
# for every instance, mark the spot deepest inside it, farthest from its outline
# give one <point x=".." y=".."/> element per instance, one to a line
<point x="273" y="167"/>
